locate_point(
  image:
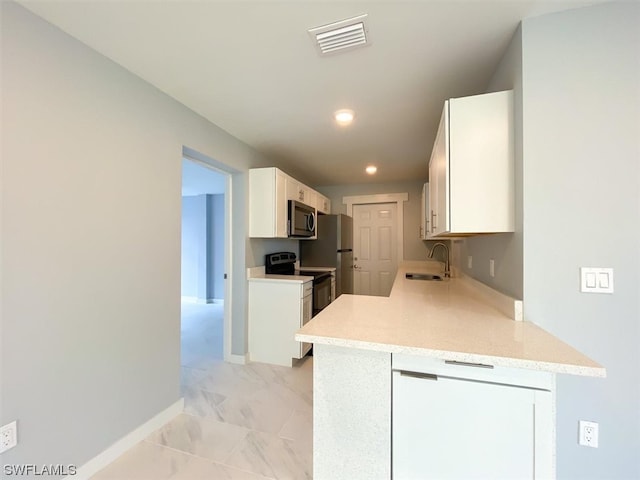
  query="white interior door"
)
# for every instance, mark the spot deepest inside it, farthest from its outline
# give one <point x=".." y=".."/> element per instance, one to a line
<point x="375" y="248"/>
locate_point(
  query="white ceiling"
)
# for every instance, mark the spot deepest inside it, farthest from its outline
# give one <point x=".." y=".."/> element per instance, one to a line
<point x="250" y="67"/>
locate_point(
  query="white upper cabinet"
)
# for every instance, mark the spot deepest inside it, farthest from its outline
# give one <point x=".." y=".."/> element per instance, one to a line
<point x="471" y="171"/>
<point x="424" y="212"/>
<point x="269" y="191"/>
<point x="300" y="192"/>
<point x="268" y="214"/>
<point x="323" y="204"/>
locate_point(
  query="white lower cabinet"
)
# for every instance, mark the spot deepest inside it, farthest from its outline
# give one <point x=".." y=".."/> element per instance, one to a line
<point x="276" y="311"/>
<point x="461" y="421"/>
<point x="378" y="415"/>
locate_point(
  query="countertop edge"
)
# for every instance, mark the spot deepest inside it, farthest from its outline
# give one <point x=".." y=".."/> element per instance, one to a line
<point x="282" y="279"/>
<point x="316" y="269"/>
<point x="563" y="368"/>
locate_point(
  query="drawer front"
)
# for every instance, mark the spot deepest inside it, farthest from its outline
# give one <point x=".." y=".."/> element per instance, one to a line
<point x="471" y="370"/>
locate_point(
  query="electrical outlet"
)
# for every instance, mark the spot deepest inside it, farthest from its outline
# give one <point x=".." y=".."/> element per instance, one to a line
<point x="492" y="268"/>
<point x="8" y="436"/>
<point x="588" y="434"/>
<point x="469" y="262"/>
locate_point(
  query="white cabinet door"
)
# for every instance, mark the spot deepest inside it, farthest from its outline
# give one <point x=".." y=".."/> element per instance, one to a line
<point x="300" y="192"/>
<point x="282" y="214"/>
<point x="471" y="170"/>
<point x="323" y="204"/>
<point x="305" y="314"/>
<point x="451" y="428"/>
<point x="439" y="179"/>
<point x="267" y="203"/>
<point x="276" y="311"/>
<point x="424" y="212"/>
<point x="481" y="152"/>
<point x="310" y="197"/>
<point x="294" y="191"/>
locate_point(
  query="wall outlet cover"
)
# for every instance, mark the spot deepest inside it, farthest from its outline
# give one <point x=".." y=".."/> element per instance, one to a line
<point x="8" y="436"/>
<point x="588" y="434"/>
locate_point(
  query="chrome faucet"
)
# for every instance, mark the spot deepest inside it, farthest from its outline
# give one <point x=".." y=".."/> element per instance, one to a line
<point x="447" y="272"/>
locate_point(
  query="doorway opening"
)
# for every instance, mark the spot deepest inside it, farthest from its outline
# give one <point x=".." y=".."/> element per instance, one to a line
<point x="205" y="326"/>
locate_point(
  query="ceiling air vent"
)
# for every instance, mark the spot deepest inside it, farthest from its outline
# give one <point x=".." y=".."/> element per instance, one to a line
<point x="340" y="36"/>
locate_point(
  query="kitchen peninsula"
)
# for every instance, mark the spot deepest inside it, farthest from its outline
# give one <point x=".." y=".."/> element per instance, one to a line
<point x="436" y="357"/>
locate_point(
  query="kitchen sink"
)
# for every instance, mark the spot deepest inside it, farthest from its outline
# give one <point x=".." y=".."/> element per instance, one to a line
<point x="423" y="276"/>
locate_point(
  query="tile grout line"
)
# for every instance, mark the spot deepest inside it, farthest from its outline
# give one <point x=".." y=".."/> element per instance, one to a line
<point x="285" y="423"/>
<point x="236" y="448"/>
<point x="208" y="460"/>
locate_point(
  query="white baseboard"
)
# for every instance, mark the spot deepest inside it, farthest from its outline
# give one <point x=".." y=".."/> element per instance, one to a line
<point x="238" y="359"/>
<point x="103" y="459"/>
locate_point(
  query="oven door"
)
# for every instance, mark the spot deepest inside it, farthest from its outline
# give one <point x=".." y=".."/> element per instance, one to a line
<point x="321" y="293"/>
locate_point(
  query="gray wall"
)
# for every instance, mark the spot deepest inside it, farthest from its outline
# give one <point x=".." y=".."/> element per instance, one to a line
<point x="194" y="246"/>
<point x="414" y="248"/>
<point x="581" y="104"/>
<point x="577" y="90"/>
<point x="203" y="247"/>
<point x="505" y="249"/>
<point x="90" y="297"/>
<point x="258" y="248"/>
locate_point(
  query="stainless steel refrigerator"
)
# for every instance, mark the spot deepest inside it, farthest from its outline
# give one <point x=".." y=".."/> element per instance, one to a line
<point x="333" y="248"/>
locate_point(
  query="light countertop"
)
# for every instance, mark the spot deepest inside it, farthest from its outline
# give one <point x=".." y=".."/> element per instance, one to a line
<point x="281" y="278"/>
<point x="317" y="269"/>
<point x="256" y="274"/>
<point x="447" y="320"/>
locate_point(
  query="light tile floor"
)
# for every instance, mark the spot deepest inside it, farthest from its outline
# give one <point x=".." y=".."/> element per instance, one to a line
<point x="240" y="421"/>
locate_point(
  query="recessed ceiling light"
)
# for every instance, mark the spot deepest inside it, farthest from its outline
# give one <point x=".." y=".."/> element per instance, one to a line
<point x="344" y="117"/>
<point x="371" y="169"/>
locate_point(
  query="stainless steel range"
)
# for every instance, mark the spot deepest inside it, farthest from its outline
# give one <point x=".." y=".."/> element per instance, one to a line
<point x="283" y="263"/>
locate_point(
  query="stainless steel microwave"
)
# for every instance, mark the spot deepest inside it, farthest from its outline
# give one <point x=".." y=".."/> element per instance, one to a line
<point x="302" y="220"/>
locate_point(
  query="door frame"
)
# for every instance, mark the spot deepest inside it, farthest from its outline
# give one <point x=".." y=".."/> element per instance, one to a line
<point x="398" y="198"/>
<point x="228" y="172"/>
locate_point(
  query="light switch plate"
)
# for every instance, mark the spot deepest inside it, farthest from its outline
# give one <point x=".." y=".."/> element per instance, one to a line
<point x="596" y="280"/>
